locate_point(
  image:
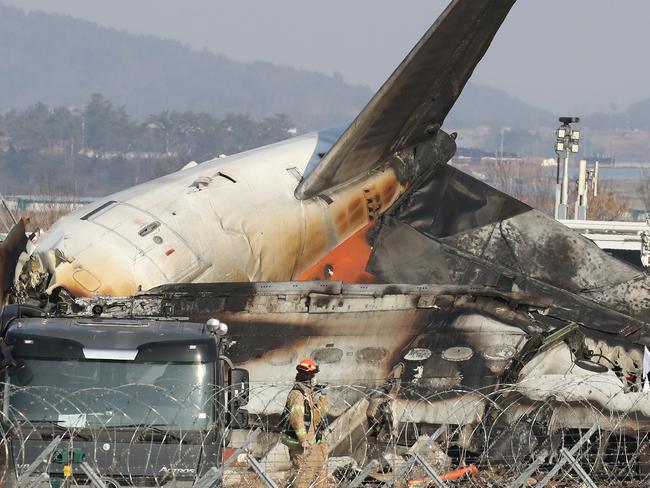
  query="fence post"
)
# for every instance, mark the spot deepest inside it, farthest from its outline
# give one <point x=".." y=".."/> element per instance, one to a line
<point x="400" y="471"/>
<point x="259" y="471"/>
<point x="563" y="460"/>
<point x="94" y="478"/>
<point x="210" y="478"/>
<point x="577" y="468"/>
<point x="363" y="474"/>
<point x="39" y="480"/>
<point x="528" y="472"/>
<point x="40" y="459"/>
<point x="430" y="471"/>
<point x="214" y="475"/>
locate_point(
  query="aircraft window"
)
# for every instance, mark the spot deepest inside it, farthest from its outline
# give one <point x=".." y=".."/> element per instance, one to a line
<point x="281" y="357"/>
<point x="327" y="355"/>
<point x="371" y="355"/>
<point x="418" y="354"/>
<point x="457" y="354"/>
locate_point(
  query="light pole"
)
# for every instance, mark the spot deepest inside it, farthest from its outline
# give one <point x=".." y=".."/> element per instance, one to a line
<point x="503" y="131"/>
<point x="567" y="141"/>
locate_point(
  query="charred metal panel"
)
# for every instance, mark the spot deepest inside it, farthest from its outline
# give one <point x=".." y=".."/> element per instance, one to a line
<point x="447" y="340"/>
<point x="455" y="229"/>
<point x="421" y="259"/>
<point x="539" y="247"/>
<point x="334" y="304"/>
<point x="462" y="350"/>
<point x="632" y="295"/>
<point x="467" y="270"/>
<point x="10" y="250"/>
<point x="449" y="202"/>
<point x="359" y="331"/>
<point x="247" y="289"/>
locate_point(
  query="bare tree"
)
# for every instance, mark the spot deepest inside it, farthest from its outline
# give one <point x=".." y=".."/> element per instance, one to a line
<point x="53" y="199"/>
<point x="607" y="205"/>
<point x="532" y="184"/>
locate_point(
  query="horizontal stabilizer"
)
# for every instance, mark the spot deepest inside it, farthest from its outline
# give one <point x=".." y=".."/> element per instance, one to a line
<point x="453" y="229"/>
<point x="412" y="105"/>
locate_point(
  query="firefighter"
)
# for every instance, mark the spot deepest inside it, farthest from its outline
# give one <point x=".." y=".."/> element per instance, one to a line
<point x="303" y="424"/>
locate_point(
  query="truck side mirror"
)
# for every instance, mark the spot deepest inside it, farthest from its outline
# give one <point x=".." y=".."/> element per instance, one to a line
<point x="239" y="388"/>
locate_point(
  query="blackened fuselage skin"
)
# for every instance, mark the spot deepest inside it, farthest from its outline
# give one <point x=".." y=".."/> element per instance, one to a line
<point x="452" y="342"/>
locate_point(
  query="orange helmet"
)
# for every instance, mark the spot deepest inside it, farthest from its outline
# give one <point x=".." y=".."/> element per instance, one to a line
<point x="307" y="366"/>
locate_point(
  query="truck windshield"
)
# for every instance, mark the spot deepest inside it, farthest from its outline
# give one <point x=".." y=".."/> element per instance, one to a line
<point x="80" y="393"/>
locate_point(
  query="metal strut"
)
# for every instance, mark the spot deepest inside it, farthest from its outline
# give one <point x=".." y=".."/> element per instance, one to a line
<point x="564" y="459"/>
<point x="23" y="479"/>
<point x="416" y="457"/>
<point x="259" y="471"/>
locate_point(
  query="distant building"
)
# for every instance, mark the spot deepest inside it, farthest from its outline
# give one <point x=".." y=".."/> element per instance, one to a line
<point x="43" y="203"/>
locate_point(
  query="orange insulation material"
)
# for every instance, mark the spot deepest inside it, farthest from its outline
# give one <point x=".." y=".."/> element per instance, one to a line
<point x="453" y="475"/>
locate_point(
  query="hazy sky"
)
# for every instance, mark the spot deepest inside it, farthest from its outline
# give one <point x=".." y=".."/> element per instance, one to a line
<point x="562" y="55"/>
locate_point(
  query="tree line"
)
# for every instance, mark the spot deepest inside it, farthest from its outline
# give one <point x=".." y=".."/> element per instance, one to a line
<point x="99" y="149"/>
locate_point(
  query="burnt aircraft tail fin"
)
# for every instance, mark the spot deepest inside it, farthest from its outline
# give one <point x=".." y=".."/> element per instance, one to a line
<point x="412" y="105"/>
<point x="10" y="250"/>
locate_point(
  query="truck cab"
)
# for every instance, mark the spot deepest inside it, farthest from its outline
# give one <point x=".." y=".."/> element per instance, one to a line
<point x="139" y="401"/>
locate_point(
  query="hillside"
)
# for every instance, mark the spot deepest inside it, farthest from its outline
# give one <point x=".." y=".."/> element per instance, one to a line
<point x="482" y="105"/>
<point x="636" y="116"/>
<point x="60" y="60"/>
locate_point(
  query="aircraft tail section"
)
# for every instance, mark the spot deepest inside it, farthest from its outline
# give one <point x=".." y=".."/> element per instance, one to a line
<point x="455" y="229"/>
<point x="412" y="105"/>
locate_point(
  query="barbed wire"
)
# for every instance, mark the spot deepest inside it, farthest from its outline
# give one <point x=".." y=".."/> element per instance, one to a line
<point x="389" y="435"/>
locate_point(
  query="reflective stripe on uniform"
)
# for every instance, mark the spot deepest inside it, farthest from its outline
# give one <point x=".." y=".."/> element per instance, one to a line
<point x="290" y="441"/>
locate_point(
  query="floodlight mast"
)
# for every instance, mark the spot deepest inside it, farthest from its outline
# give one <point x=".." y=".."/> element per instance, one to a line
<point x="567" y="141"/>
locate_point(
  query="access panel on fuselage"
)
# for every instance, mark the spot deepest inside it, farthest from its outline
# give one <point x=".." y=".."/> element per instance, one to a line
<point x="153" y="242"/>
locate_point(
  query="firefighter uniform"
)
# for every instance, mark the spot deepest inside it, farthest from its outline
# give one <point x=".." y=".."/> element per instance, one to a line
<point x="304" y="419"/>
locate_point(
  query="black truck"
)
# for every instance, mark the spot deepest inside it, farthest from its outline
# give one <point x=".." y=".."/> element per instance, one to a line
<point x="131" y="402"/>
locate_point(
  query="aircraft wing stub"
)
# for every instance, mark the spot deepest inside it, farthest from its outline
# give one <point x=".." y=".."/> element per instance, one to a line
<point x="412" y="105"/>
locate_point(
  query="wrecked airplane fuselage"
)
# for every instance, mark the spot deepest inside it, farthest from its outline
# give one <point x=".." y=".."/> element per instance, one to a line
<point x="219" y="221"/>
<point x="273" y="213"/>
<point x="454" y="346"/>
